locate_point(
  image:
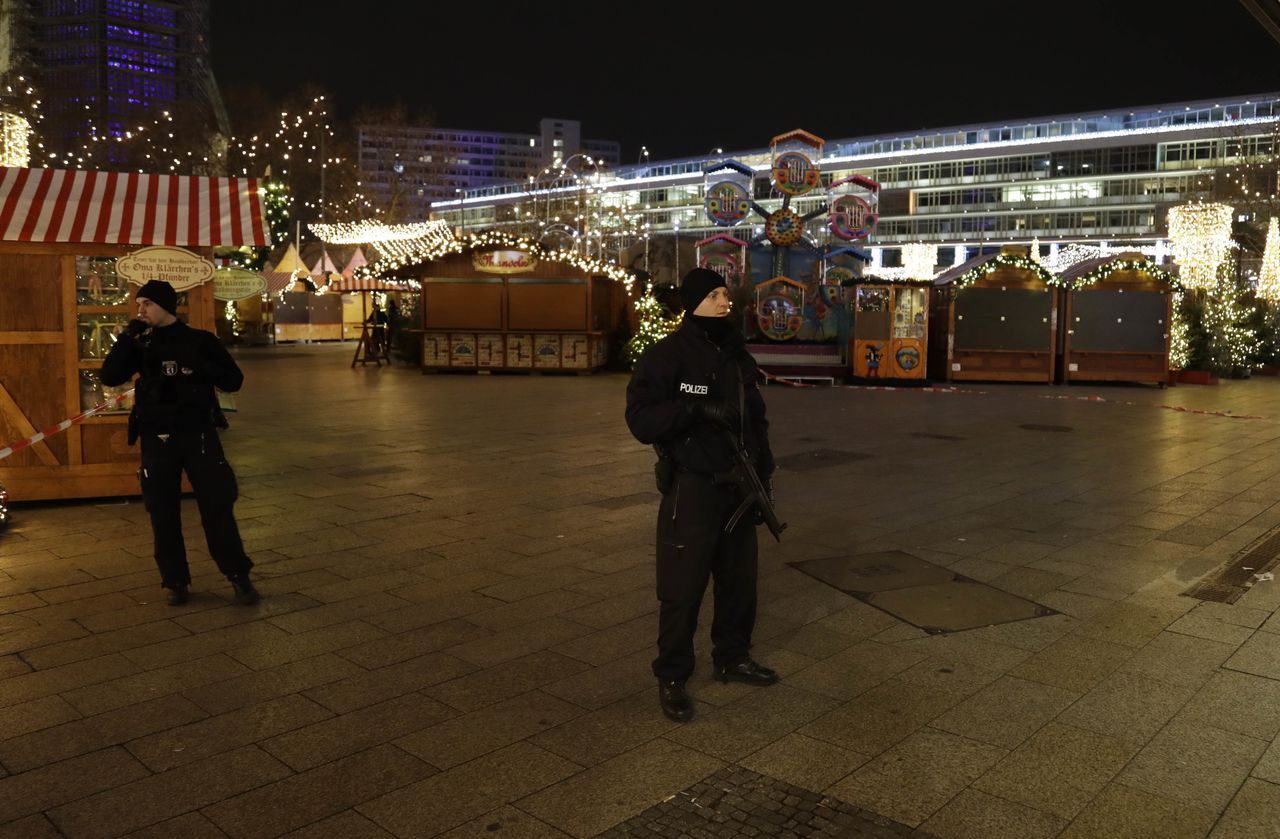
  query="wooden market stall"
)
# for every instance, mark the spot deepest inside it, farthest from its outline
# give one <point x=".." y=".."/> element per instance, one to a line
<point x="996" y="315"/>
<point x="64" y="236"/>
<point x="890" y="334"/>
<point x="1118" y="316"/>
<point x="507" y="310"/>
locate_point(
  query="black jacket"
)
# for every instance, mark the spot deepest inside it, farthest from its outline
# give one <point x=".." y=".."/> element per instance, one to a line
<point x="179" y="367"/>
<point x="687" y="366"/>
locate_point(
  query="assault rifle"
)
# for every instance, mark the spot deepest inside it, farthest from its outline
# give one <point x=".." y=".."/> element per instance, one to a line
<point x="754" y="492"/>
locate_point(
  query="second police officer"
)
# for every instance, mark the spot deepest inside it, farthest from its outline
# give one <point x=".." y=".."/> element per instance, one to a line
<point x="687" y="391"/>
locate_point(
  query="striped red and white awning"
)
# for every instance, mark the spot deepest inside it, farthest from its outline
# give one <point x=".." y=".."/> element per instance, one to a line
<point x="61" y="205"/>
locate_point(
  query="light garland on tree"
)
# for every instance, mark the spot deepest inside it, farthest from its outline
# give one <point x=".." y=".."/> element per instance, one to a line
<point x="19" y="113"/>
<point x="1200" y="237"/>
<point x="1004" y="260"/>
<point x="1232" y="342"/>
<point x="1269" y="277"/>
<point x="919" y="260"/>
<point x="232" y="314"/>
<point x="655" y="323"/>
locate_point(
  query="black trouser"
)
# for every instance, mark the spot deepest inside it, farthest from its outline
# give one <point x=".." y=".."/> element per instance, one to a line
<point x="200" y="454"/>
<point x="693" y="546"/>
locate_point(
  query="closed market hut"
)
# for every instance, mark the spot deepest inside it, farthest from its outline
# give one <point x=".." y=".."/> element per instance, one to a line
<point x="890" y="330"/>
<point x="72" y="243"/>
<point x="1000" y="312"/>
<point x="1118" y="317"/>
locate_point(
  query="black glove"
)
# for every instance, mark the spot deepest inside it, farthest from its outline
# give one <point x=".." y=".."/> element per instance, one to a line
<point x="136" y="327"/>
<point x="717" y="412"/>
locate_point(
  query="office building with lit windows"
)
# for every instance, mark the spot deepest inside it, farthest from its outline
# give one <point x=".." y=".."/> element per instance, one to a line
<point x="106" y="66"/>
<point x="1091" y="178"/>
<point x="409" y="167"/>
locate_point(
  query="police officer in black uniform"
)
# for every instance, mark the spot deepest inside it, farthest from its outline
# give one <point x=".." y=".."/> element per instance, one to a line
<point x="690" y="391"/>
<point x="175" y="415"/>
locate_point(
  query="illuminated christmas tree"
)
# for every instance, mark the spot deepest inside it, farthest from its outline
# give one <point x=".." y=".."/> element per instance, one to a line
<point x="1230" y="340"/>
<point x="656" y="321"/>
<point x="1269" y="277"/>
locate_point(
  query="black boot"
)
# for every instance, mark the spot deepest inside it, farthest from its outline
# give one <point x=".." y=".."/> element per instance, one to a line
<point x="246" y="594"/>
<point x="751" y="672"/>
<point x="178" y="595"/>
<point x="675" y="701"/>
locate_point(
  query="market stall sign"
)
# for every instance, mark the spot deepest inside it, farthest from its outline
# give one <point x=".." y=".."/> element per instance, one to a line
<point x="237" y="284"/>
<point x="504" y="262"/>
<point x="182" y="269"/>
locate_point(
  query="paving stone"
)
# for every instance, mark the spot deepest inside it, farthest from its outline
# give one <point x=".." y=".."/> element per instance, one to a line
<point x="1058" y="770"/>
<point x="159" y="797"/>
<point x="1253" y="814"/>
<point x="747" y="724"/>
<point x="35" y="715"/>
<point x="40" y="789"/>
<point x="188" y="826"/>
<point x="26" y="685"/>
<point x="32" y="827"/>
<point x="460" y="739"/>
<point x="484" y="687"/>
<point x="1073" y="663"/>
<point x="371" y="687"/>
<point x="596" y="687"/>
<point x="348" y="825"/>
<point x="127" y="690"/>
<point x="1121" y="812"/>
<point x="1197" y="765"/>
<point x="915" y="778"/>
<point x="308" y="644"/>
<point x="465" y="792"/>
<point x="804" y="761"/>
<point x="1127" y="707"/>
<point x="504" y="646"/>
<point x="184" y="744"/>
<point x="1259" y="655"/>
<point x="1128" y="624"/>
<point x="852" y="671"/>
<point x="507" y="822"/>
<point x="252" y="687"/>
<point x="301" y="799"/>
<point x="880" y="718"/>
<point x="619" y="788"/>
<point x="975" y="815"/>
<point x="390" y="649"/>
<point x="349" y="733"/>
<point x="88" y="734"/>
<point x="1006" y="712"/>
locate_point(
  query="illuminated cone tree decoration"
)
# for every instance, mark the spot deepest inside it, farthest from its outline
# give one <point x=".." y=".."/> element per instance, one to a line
<point x="1269" y="277"/>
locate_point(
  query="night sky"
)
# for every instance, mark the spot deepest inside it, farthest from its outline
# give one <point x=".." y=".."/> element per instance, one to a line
<point x="685" y="78"/>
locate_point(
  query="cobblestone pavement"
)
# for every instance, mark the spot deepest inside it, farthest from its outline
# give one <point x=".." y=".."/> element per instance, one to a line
<point x="458" y="617"/>
<point x="737" y="802"/>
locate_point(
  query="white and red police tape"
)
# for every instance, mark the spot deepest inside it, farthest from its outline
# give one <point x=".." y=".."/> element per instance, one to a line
<point x="62" y="426"/>
<point x="1178" y="408"/>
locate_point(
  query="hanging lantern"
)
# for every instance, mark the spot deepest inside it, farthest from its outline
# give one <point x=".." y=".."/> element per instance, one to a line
<point x="919" y="261"/>
<point x="1200" y="236"/>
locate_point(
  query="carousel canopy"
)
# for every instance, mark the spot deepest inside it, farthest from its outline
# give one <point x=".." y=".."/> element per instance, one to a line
<point x="59" y="205"/>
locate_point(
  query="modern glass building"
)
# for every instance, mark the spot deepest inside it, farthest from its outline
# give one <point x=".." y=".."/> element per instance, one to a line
<point x="1090" y="178"/>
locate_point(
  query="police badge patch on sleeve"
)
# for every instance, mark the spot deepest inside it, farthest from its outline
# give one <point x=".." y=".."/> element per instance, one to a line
<point x="169" y="368"/>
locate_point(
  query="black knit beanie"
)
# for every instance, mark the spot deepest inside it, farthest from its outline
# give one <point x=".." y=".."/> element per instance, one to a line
<point x="160" y="293"/>
<point x="696" y="285"/>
